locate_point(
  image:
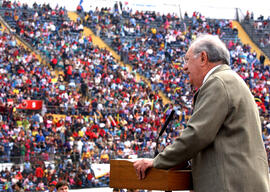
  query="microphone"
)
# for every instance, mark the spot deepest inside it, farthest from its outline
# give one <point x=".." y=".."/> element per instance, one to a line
<point x="163" y="129"/>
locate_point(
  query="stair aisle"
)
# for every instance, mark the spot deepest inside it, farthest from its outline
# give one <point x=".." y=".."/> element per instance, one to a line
<point x="98" y="41"/>
<point x="246" y="40"/>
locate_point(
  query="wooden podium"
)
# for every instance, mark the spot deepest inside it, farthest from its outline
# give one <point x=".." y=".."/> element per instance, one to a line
<point x="123" y="176"/>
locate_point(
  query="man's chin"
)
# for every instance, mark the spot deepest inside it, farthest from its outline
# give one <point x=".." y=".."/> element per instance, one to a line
<point x="193" y="87"/>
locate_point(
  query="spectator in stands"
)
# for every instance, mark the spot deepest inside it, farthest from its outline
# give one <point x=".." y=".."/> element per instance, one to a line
<point x="52" y="186"/>
<point x="62" y="186"/>
<point x="18" y="187"/>
<point x="262" y="59"/>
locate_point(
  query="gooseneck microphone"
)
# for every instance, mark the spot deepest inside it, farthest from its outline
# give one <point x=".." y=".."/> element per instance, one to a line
<point x="163" y="129"/>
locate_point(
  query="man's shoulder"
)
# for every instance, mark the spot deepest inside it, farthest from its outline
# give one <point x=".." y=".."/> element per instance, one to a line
<point x="225" y="73"/>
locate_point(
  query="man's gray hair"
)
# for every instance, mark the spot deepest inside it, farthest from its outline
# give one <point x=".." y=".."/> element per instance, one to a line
<point x="216" y="50"/>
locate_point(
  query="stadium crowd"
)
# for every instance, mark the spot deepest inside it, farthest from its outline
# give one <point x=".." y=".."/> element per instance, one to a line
<point x="165" y="41"/>
<point x="260" y="29"/>
<point x="155" y="45"/>
<point x="95" y="110"/>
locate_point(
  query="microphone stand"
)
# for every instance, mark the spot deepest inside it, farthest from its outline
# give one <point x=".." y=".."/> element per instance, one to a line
<point x="162" y="130"/>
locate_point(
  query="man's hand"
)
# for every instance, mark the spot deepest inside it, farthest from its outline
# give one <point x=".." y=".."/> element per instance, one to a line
<point x="141" y="166"/>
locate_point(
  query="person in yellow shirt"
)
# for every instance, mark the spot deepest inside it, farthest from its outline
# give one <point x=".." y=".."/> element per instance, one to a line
<point x="16" y="91"/>
<point x="104" y="157"/>
<point x="34" y="132"/>
<point x="81" y="133"/>
<point x="154" y="31"/>
<point x="86" y="155"/>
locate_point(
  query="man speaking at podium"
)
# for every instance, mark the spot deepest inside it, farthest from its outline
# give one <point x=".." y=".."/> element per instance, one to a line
<point x="223" y="136"/>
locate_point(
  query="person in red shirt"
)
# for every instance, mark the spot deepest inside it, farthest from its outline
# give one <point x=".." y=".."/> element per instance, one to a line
<point x="54" y="62"/>
<point x="39" y="173"/>
<point x="68" y="72"/>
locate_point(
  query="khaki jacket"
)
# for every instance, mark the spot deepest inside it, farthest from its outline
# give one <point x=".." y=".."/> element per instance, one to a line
<point x="223" y="138"/>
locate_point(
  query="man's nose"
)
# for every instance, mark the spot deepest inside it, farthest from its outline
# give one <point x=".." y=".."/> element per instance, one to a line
<point x="185" y="67"/>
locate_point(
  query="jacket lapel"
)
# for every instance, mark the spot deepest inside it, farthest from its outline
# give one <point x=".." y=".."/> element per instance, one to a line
<point x="221" y="68"/>
<point x="195" y="97"/>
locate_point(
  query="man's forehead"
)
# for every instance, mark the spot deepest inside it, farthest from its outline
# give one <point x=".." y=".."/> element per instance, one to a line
<point x="63" y="187"/>
<point x="189" y="52"/>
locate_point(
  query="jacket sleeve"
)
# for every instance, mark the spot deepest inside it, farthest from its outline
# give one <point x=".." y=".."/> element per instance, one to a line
<point x="210" y="110"/>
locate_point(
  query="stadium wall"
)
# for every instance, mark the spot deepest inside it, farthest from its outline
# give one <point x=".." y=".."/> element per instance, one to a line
<point x="208" y="8"/>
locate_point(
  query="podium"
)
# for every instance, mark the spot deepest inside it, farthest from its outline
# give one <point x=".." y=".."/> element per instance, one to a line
<point x="123" y="176"/>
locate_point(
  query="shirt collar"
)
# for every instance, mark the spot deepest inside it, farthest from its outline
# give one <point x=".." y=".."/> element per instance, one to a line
<point x="210" y="72"/>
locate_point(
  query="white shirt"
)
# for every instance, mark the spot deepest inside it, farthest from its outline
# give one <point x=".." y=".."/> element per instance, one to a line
<point x="210" y="72"/>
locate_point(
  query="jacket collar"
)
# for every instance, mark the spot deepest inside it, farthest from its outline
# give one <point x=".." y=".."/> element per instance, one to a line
<point x="222" y="67"/>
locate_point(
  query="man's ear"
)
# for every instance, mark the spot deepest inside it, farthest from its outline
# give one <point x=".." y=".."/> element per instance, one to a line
<point x="204" y="57"/>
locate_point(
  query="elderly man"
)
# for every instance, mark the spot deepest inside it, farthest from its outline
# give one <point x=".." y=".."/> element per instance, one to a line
<point x="223" y="136"/>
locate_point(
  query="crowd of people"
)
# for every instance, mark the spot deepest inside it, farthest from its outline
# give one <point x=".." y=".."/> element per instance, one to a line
<point x="154" y="44"/>
<point x="165" y="41"/>
<point x="115" y="107"/>
<point x="28" y="138"/>
<point x="94" y="109"/>
<point x="260" y="29"/>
